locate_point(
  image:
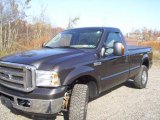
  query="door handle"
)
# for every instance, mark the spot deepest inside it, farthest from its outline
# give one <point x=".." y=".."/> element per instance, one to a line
<point x="97" y="63"/>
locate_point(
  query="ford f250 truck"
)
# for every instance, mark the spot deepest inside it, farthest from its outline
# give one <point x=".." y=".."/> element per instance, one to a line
<point x="74" y="66"/>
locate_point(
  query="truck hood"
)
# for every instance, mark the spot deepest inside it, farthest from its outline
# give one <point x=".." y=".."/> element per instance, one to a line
<point x="43" y="57"/>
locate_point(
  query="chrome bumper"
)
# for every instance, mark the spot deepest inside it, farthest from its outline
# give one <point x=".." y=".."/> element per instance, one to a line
<point x="32" y="105"/>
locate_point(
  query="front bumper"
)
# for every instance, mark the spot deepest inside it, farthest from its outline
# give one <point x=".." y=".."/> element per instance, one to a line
<point x="36" y="104"/>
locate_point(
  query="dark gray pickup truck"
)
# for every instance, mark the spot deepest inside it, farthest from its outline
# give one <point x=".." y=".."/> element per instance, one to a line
<point x="74" y="66"/>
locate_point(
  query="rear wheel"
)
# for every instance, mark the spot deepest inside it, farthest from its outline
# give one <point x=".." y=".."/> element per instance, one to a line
<point x="79" y="102"/>
<point x="141" y="78"/>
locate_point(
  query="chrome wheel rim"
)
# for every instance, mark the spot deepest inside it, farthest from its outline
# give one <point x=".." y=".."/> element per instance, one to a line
<point x="144" y="77"/>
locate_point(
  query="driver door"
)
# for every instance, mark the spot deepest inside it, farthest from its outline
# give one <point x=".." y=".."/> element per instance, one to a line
<point x="114" y="69"/>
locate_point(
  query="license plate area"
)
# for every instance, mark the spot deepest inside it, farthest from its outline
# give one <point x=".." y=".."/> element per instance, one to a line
<point x="6" y="101"/>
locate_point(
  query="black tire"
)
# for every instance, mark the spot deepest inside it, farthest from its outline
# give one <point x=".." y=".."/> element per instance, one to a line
<point x="140" y="81"/>
<point x="79" y="102"/>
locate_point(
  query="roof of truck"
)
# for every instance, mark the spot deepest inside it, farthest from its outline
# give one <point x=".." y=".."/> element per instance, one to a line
<point x="104" y="28"/>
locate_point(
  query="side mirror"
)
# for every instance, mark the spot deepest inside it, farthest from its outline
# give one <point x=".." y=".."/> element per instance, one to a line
<point x="118" y="49"/>
<point x="43" y="44"/>
<point x="103" y="50"/>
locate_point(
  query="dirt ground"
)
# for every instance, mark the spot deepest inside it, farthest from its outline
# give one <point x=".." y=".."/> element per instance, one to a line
<point x="121" y="103"/>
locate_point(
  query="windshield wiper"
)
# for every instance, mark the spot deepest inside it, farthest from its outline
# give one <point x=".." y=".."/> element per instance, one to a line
<point x="47" y="47"/>
<point x="65" y="47"/>
<point x="59" y="47"/>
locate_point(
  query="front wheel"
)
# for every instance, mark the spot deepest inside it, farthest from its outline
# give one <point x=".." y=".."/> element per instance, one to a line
<point x="141" y="78"/>
<point x="79" y="102"/>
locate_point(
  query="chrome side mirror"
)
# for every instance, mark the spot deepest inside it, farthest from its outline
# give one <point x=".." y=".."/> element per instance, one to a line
<point x="43" y="44"/>
<point x="103" y="50"/>
<point x="118" y="49"/>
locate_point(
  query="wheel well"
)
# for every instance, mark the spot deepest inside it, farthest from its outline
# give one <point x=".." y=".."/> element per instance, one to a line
<point x="146" y="63"/>
<point x="90" y="81"/>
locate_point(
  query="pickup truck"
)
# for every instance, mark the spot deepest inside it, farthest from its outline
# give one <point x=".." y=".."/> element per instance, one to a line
<point x="72" y="68"/>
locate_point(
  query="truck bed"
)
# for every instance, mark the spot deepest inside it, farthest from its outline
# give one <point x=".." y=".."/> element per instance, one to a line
<point x="133" y="47"/>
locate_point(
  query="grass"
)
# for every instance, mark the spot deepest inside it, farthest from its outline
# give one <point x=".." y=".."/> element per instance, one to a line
<point x="155" y="46"/>
<point x="24" y="46"/>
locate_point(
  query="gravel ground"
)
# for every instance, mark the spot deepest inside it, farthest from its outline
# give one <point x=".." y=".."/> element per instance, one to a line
<point x="122" y="103"/>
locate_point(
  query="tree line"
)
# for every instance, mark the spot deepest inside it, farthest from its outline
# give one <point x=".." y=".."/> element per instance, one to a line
<point x="144" y="34"/>
<point x="17" y="34"/>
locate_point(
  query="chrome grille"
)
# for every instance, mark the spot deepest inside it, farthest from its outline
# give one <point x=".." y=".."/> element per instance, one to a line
<point x="17" y="76"/>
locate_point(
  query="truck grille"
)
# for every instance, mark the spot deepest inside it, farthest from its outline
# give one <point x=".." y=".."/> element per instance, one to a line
<point x="17" y="76"/>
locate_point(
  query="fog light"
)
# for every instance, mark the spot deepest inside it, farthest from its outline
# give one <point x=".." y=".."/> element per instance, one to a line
<point x="24" y="103"/>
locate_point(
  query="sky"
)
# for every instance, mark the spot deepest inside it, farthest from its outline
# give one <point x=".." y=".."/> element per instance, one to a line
<point x="124" y="14"/>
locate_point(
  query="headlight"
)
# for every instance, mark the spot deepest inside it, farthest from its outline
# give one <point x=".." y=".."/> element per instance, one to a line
<point x="47" y="78"/>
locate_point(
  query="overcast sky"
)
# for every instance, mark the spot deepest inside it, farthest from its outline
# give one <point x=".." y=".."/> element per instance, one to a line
<point x="124" y="14"/>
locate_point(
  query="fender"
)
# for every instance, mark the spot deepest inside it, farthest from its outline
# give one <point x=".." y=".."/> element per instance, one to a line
<point x="145" y="57"/>
<point x="82" y="71"/>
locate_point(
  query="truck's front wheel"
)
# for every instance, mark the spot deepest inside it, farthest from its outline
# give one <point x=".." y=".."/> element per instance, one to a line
<point x="79" y="102"/>
<point x="141" y="78"/>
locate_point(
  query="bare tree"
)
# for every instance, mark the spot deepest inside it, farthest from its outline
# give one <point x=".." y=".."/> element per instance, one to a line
<point x="16" y="33"/>
<point x="72" y="22"/>
<point x="12" y="12"/>
<point x="1" y="32"/>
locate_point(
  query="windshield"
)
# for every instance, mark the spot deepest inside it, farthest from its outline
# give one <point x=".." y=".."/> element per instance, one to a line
<point x="82" y="38"/>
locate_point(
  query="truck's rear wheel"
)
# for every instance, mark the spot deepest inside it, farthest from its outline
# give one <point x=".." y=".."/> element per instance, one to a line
<point x="79" y="102"/>
<point x="141" y="78"/>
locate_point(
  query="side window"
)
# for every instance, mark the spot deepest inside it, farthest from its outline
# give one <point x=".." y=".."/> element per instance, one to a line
<point x="111" y="39"/>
